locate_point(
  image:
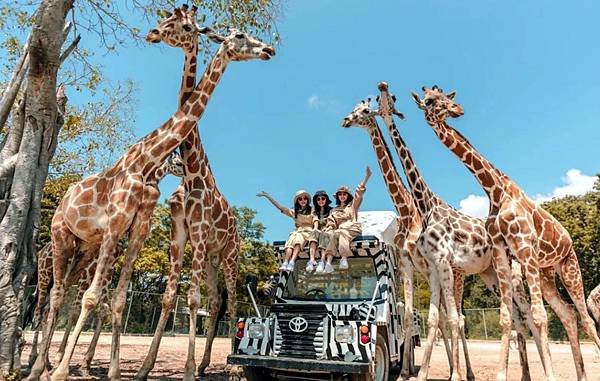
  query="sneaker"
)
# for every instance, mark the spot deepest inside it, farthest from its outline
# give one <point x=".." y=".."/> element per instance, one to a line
<point x="283" y="266"/>
<point x="320" y="268"/>
<point x="343" y="264"/>
<point x="310" y="266"/>
<point x="290" y="266"/>
<point x="328" y="268"/>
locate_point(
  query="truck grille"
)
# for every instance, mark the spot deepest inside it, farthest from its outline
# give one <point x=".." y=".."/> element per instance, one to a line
<point x="307" y="344"/>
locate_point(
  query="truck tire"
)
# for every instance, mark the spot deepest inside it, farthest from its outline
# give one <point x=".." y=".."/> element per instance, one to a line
<point x="256" y="373"/>
<point x="382" y="362"/>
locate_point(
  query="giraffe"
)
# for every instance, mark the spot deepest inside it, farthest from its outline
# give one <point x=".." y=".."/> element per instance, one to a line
<point x="442" y="220"/>
<point x="115" y="196"/>
<point x="409" y="220"/>
<point x="200" y="213"/>
<point x="525" y="230"/>
<point x="81" y="271"/>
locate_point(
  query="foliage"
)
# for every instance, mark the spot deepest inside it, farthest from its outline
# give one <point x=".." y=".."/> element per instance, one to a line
<point x="95" y="134"/>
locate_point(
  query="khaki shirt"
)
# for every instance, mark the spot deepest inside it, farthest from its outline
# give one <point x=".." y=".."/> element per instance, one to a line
<point x="340" y="214"/>
<point x="302" y="220"/>
<point x="321" y="219"/>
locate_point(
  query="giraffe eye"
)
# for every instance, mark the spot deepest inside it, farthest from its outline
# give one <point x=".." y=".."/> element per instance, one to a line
<point x="428" y="102"/>
<point x="365" y="111"/>
<point x="187" y="27"/>
<point x="239" y="35"/>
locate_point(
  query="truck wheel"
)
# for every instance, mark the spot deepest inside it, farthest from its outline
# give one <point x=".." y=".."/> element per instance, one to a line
<point x="382" y="363"/>
<point x="256" y="373"/>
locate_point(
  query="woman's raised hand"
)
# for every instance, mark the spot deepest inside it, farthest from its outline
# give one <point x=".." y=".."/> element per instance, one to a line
<point x="367" y="175"/>
<point x="262" y="194"/>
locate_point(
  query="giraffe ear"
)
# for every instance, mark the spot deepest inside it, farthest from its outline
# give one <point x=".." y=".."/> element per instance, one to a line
<point x="208" y="32"/>
<point x="451" y="95"/>
<point x="417" y="100"/>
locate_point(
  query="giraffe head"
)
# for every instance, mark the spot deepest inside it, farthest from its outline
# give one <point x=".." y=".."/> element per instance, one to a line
<point x="437" y="105"/>
<point x="362" y="115"/>
<point x="174" y="164"/>
<point x="179" y="29"/>
<point x="386" y="102"/>
<point x="240" y="46"/>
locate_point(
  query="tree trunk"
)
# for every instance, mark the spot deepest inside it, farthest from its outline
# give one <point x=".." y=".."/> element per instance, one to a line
<point x="19" y="225"/>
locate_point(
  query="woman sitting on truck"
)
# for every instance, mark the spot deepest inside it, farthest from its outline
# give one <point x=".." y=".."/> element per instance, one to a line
<point x="319" y="239"/>
<point x="303" y="219"/>
<point x="343" y="223"/>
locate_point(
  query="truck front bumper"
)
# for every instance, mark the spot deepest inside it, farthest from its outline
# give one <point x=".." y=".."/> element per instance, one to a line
<point x="287" y="363"/>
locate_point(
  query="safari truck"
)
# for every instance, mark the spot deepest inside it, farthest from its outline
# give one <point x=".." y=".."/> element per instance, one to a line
<point x="345" y="325"/>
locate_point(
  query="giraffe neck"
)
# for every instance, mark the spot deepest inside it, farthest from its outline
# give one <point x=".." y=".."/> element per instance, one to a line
<point x="198" y="174"/>
<point x="398" y="192"/>
<point x="188" y="79"/>
<point x="423" y="196"/>
<point x="196" y="103"/>
<point x="489" y="177"/>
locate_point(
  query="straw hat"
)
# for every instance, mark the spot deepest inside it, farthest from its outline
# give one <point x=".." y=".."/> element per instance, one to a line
<point x="301" y="192"/>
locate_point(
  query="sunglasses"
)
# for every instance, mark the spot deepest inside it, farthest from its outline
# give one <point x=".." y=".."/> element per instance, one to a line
<point x="303" y="198"/>
<point x="321" y="198"/>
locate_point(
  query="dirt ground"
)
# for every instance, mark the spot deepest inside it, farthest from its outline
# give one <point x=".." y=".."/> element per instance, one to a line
<point x="172" y="355"/>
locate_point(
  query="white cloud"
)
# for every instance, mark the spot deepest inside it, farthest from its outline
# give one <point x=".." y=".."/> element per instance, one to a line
<point x="319" y="102"/>
<point x="476" y="206"/>
<point x="575" y="183"/>
<point x="313" y="101"/>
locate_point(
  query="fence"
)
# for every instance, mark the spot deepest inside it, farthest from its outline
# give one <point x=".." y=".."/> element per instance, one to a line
<point x="142" y="312"/>
<point x="484" y="324"/>
<point x="143" y="309"/>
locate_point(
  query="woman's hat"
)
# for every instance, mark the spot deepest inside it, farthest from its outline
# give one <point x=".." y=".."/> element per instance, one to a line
<point x="343" y="188"/>
<point x="321" y="193"/>
<point x="301" y="192"/>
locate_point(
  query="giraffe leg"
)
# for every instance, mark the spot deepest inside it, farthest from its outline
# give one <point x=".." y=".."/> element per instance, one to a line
<point x="63" y="247"/>
<point x="567" y="316"/>
<point x="525" y="249"/>
<point x="230" y="265"/>
<point x="73" y="315"/>
<point x="570" y="274"/>
<point x="408" y="271"/>
<point x="90" y="300"/>
<point x="215" y="302"/>
<point x="443" y="328"/>
<point x="444" y="271"/>
<point x="138" y="232"/>
<point x="503" y="270"/>
<point x="459" y="283"/>
<point x="198" y="236"/>
<point x="432" y="322"/>
<point x="176" y="250"/>
<point x="102" y="312"/>
<point x="521" y="314"/>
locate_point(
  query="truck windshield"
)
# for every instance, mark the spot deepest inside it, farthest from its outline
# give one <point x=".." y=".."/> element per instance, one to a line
<point x="358" y="282"/>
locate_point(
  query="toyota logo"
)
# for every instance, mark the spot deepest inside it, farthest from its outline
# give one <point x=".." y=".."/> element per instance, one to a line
<point x="298" y="324"/>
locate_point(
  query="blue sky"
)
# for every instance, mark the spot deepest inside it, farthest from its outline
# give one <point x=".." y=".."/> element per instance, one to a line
<point x="526" y="74"/>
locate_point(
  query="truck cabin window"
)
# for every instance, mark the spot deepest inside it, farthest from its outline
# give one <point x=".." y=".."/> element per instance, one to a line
<point x="358" y="282"/>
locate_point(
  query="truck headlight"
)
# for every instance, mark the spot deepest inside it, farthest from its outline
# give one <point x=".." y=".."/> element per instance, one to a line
<point x="256" y="330"/>
<point x="344" y="334"/>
